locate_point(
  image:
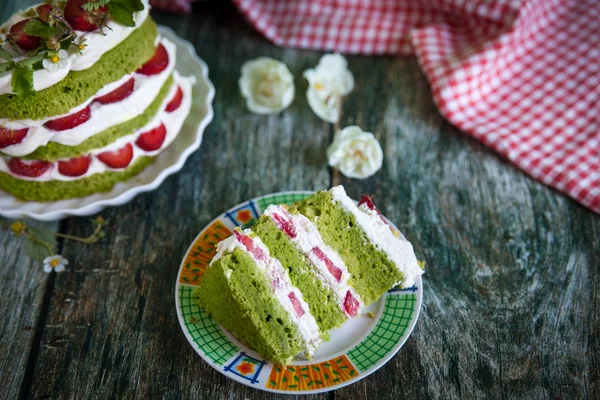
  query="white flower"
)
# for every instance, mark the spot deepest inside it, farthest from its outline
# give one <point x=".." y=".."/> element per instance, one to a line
<point x="56" y="263"/>
<point x="56" y="61"/>
<point x="327" y="83"/>
<point x="357" y="154"/>
<point x="267" y="85"/>
<point x="2" y="39"/>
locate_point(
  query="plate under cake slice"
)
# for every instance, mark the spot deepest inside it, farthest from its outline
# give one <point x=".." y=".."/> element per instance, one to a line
<point x="301" y="271"/>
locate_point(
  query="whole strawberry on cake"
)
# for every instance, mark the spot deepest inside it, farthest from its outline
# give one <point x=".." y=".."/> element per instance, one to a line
<point x="89" y="96"/>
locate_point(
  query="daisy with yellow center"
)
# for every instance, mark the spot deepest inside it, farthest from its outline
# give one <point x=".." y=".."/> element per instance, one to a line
<point x="55" y="60"/>
<point x="55" y="263"/>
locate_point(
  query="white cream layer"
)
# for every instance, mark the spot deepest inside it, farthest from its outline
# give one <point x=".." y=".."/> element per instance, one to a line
<point x="399" y="250"/>
<point x="281" y="285"/>
<point x="102" y="116"/>
<point x="97" y="44"/>
<point x="307" y="238"/>
<point x="172" y="121"/>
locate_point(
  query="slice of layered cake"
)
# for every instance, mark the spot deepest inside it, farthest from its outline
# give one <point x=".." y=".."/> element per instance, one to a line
<point x="301" y="271"/>
<point x="89" y="96"/>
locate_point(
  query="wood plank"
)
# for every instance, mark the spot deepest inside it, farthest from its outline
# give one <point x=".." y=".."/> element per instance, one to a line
<point x="112" y="328"/>
<point x="511" y="298"/>
<point x="22" y="291"/>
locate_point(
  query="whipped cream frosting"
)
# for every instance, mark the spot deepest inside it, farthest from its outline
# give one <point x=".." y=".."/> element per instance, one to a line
<point x="307" y="239"/>
<point x="103" y="116"/>
<point x="399" y="250"/>
<point x="97" y="43"/>
<point x="281" y="284"/>
<point x="173" y="122"/>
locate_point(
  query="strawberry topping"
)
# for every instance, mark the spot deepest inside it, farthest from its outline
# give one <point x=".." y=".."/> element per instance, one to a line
<point x="367" y="201"/>
<point x="82" y="20"/>
<point x="22" y="39"/>
<point x="70" y="121"/>
<point x="158" y="62"/>
<point x="296" y="304"/>
<point x="175" y="101"/>
<point x="118" y="94"/>
<point x="248" y="243"/>
<point x="351" y="304"/>
<point x="9" y="137"/>
<point x="75" y="166"/>
<point x="153" y="139"/>
<point x="285" y="224"/>
<point x="118" y="158"/>
<point x="335" y="271"/>
<point x="31" y="169"/>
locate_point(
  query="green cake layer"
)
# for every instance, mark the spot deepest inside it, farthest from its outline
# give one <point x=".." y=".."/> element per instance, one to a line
<point x="245" y="304"/>
<point x="373" y="273"/>
<point x="321" y="300"/>
<point x="55" y="151"/>
<point x="60" y="190"/>
<point x="78" y="86"/>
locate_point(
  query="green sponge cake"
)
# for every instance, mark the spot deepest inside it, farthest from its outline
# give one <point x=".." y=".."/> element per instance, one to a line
<point x="88" y="98"/>
<point x="301" y="271"/>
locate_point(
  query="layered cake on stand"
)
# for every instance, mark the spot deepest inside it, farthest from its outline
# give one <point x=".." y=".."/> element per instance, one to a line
<point x="89" y="96"/>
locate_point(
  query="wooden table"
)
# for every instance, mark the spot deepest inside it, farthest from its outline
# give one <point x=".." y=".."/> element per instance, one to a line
<point x="511" y="294"/>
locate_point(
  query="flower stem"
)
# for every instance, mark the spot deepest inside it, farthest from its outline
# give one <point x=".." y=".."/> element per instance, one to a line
<point x="93" y="238"/>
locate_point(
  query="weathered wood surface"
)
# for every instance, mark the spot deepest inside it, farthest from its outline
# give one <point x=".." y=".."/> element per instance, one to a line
<point x="511" y="301"/>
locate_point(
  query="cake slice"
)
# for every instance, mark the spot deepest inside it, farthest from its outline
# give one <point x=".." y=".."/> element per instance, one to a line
<point x="301" y="271"/>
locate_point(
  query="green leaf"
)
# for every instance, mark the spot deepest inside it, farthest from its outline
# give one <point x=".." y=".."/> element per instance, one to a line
<point x="6" y="66"/>
<point x="316" y="368"/>
<point x="284" y="379"/>
<point x="293" y="386"/>
<point x="318" y="382"/>
<point x="22" y="81"/>
<point x="352" y="372"/>
<point x="310" y="383"/>
<point x="121" y="11"/>
<point x="273" y="383"/>
<point x="45" y="236"/>
<point x="36" y="251"/>
<point x="296" y="378"/>
<point x="5" y="55"/>
<point x="35" y="27"/>
<point x="94" y="5"/>
<point x="326" y="377"/>
<point x="336" y="380"/>
<point x="278" y="368"/>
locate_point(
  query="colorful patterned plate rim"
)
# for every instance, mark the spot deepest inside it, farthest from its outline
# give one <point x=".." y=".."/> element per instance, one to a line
<point x="356" y="349"/>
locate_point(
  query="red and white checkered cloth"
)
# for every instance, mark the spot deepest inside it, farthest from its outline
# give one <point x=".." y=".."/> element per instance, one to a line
<point x="523" y="77"/>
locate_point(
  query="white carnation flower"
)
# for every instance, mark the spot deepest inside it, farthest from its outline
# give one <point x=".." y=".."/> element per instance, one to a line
<point x="56" y="61"/>
<point x="267" y="85"/>
<point x="357" y="154"/>
<point x="327" y="84"/>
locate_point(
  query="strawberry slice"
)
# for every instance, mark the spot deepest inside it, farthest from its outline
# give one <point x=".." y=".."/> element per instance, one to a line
<point x="175" y="101"/>
<point x="22" y="39"/>
<point x="351" y="304"/>
<point x="31" y="169"/>
<point x="158" y="62"/>
<point x="75" y="166"/>
<point x="368" y="201"/>
<point x="9" y="137"/>
<point x="153" y="139"/>
<point x="82" y="20"/>
<point x="70" y="121"/>
<point x="296" y="304"/>
<point x="285" y="224"/>
<point x="335" y="271"/>
<point x="118" y="94"/>
<point x="246" y="240"/>
<point x="118" y="158"/>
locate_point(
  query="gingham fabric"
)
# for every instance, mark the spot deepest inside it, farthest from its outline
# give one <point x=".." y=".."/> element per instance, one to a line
<point x="523" y="77"/>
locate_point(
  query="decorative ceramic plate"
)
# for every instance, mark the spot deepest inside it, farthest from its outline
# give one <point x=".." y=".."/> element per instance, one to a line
<point x="167" y="162"/>
<point x="356" y="349"/>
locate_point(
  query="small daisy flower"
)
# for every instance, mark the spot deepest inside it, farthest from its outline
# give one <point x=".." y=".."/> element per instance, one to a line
<point x="327" y="84"/>
<point x="2" y="39"/>
<point x="357" y="154"/>
<point x="18" y="228"/>
<point x="267" y="85"/>
<point x="56" y="263"/>
<point x="81" y="46"/>
<point x="55" y="61"/>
